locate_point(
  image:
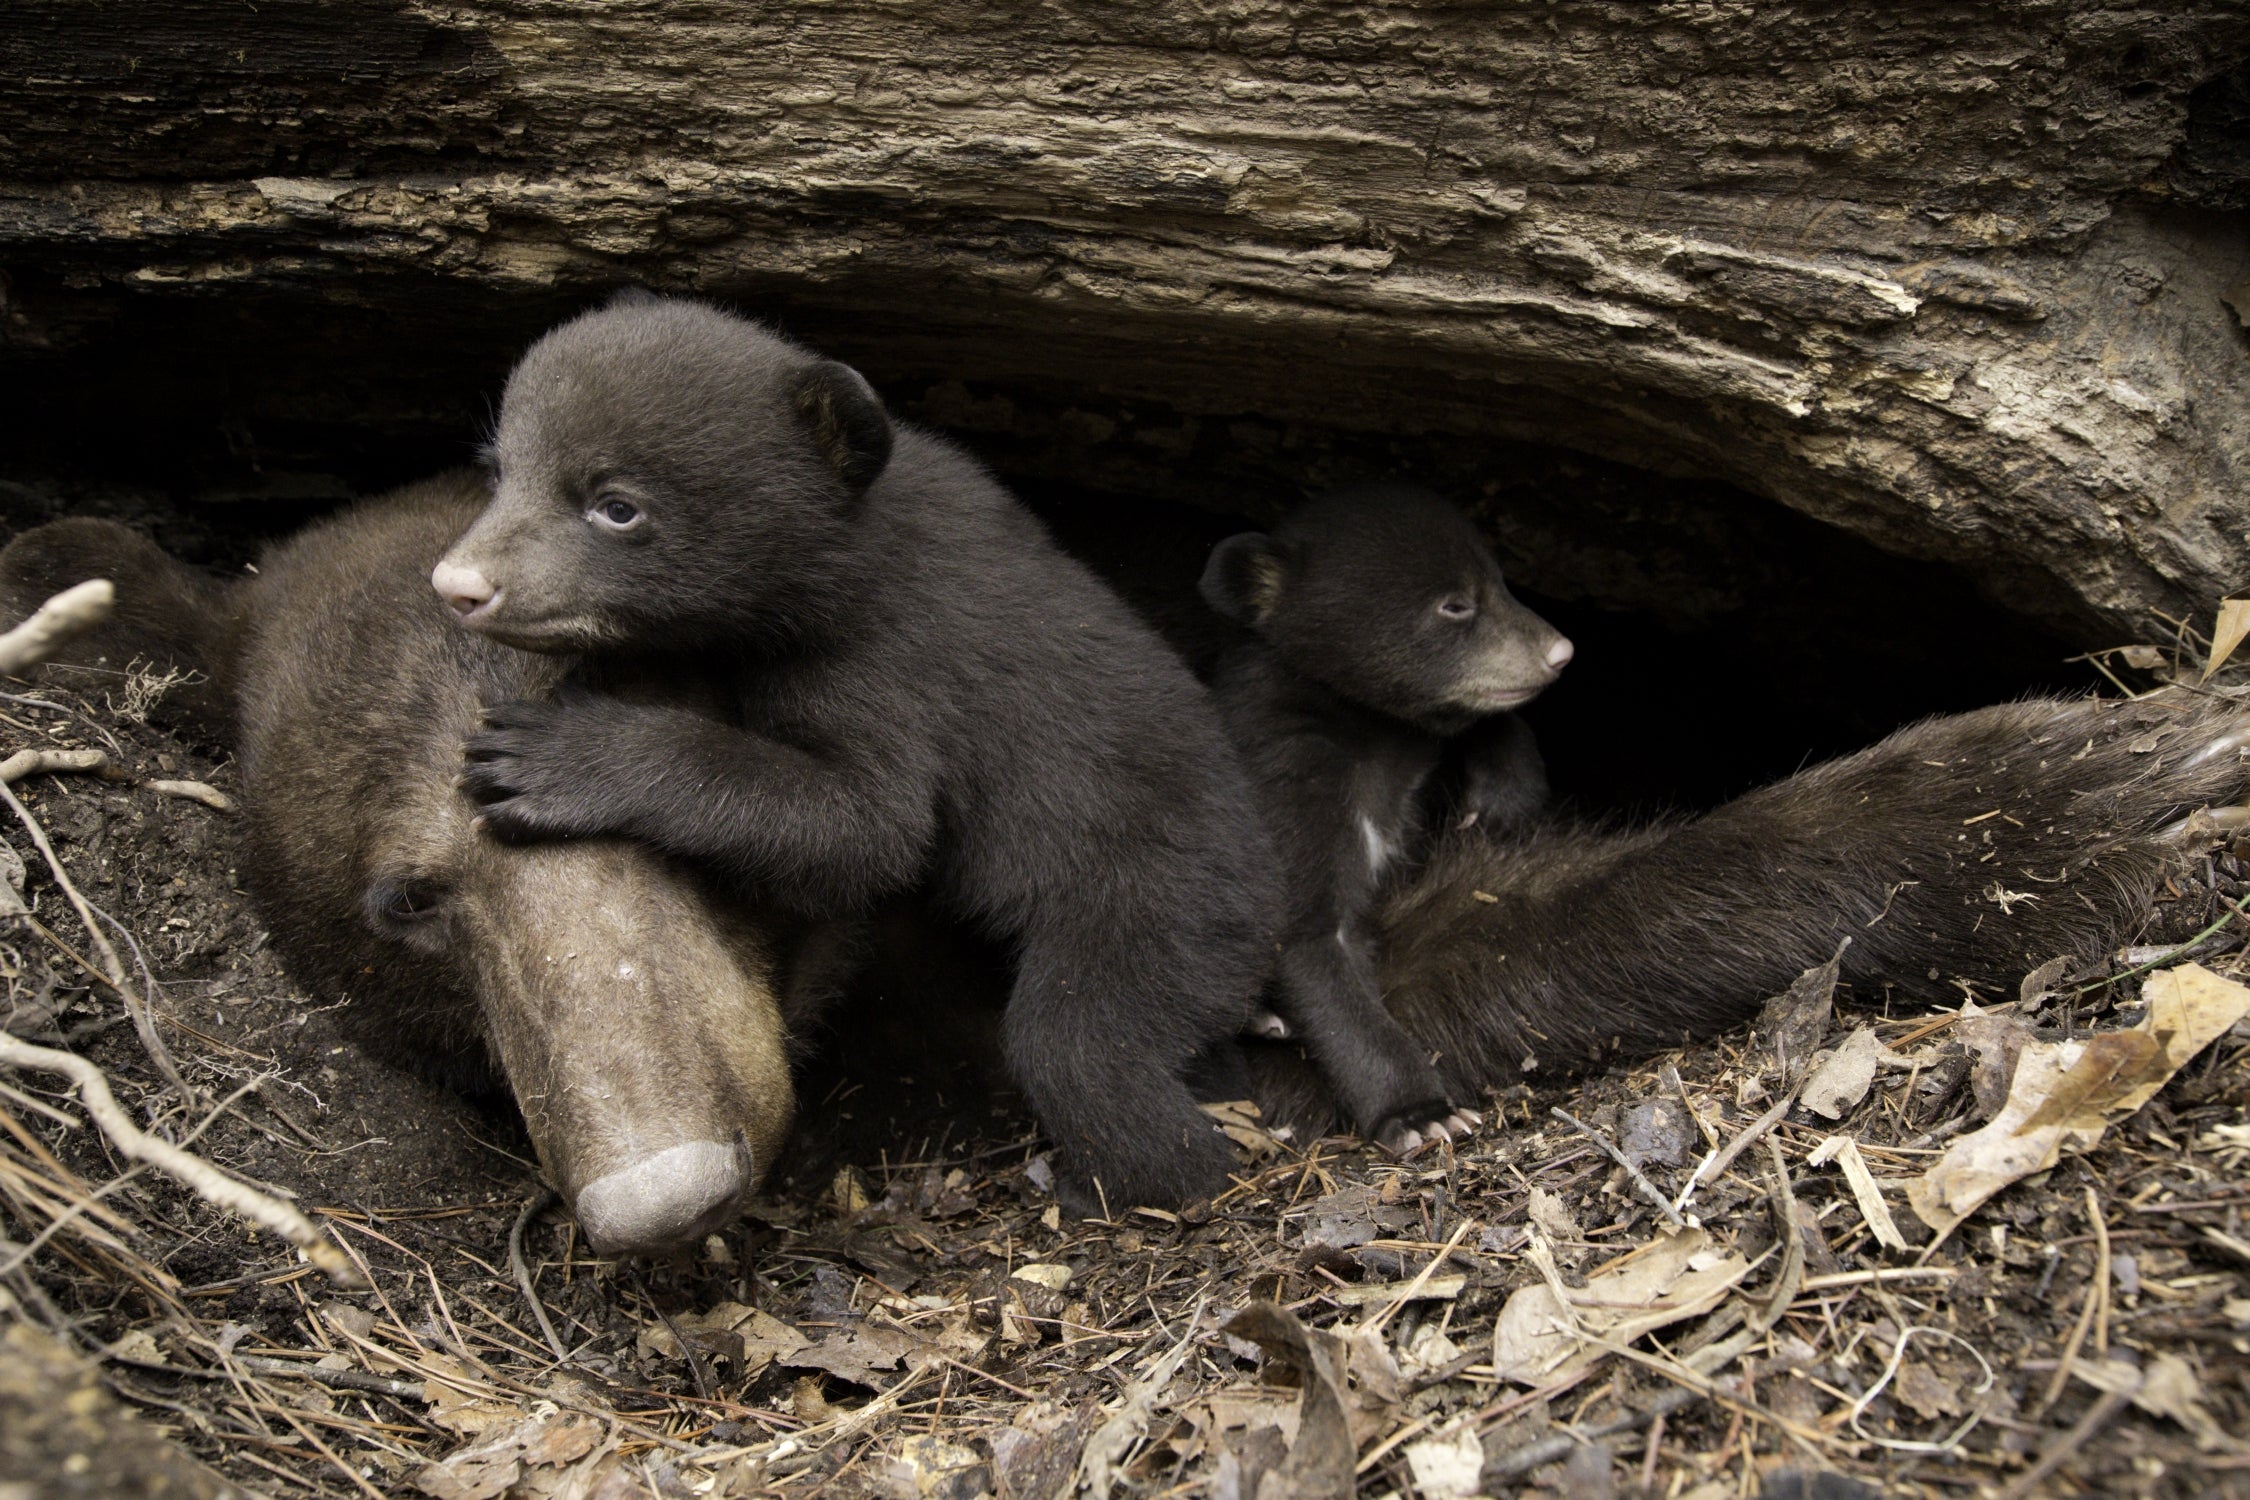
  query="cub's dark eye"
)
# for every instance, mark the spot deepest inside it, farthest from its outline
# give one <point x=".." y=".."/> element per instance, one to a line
<point x="406" y="902"/>
<point x="615" y="514"/>
<point x="1458" y="609"/>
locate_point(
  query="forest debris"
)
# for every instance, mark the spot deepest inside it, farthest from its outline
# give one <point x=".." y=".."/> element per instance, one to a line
<point x="492" y="1467"/>
<point x="1844" y="1151"/>
<point x="2167" y="1387"/>
<point x="1431" y="1289"/>
<point x="1032" y="1457"/>
<point x="62" y="619"/>
<point x="927" y="1464"/>
<point x="1997" y="1039"/>
<point x="1243" y="1123"/>
<point x="860" y="1355"/>
<point x="2233" y="623"/>
<point x="1548" y="1332"/>
<point x="1448" y="1466"/>
<point x="460" y="1401"/>
<point x="2066" y="1094"/>
<point x="1844" y="1075"/>
<point x="1795" y="1021"/>
<point x="1106" y="1450"/>
<point x="184" y="1167"/>
<point x="745" y="1337"/>
<point x="1647" y="1189"/>
<point x="1321" y="1460"/>
<point x="1053" y="1277"/>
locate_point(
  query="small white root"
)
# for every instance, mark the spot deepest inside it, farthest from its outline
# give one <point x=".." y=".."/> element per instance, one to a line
<point x="184" y="1167"/>
<point x="195" y="791"/>
<point x="39" y="762"/>
<point x="55" y="624"/>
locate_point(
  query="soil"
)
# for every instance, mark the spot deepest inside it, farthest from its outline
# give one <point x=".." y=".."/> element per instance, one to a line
<point x="928" y="1323"/>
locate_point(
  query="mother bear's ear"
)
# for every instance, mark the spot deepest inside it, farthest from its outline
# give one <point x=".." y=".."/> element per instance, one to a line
<point x="1244" y="578"/>
<point x="846" y="421"/>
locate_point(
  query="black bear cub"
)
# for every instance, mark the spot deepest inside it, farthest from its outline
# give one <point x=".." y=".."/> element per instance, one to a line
<point x="1380" y="643"/>
<point x="916" y="690"/>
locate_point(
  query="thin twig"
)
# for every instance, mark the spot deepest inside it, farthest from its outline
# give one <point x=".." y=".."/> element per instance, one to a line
<point x="112" y="967"/>
<point x="1547" y="1449"/>
<point x="1716" y="1164"/>
<point x="190" y="1171"/>
<point x="2105" y="1406"/>
<point x="1648" y="1189"/>
<point x="523" y="1273"/>
<point x="2095" y="1297"/>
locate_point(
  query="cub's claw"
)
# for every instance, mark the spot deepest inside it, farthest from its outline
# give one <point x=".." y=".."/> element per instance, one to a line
<point x="1408" y="1131"/>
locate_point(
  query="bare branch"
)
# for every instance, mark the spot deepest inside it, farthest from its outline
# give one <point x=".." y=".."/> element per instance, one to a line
<point x="185" y="1168"/>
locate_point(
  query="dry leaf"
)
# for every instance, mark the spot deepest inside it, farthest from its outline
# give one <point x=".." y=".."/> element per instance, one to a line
<point x="2233" y="623"/>
<point x="1928" y="1392"/>
<point x="2167" y="1388"/>
<point x="458" y="1410"/>
<point x="1844" y="1075"/>
<point x="2065" y="1094"/>
<point x="1447" y="1467"/>
<point x="1548" y="1331"/>
<point x="489" y="1468"/>
<point x="1320" y="1461"/>
<point x="1997" y="1040"/>
<point x="1243" y="1123"/>
<point x="1844" y="1151"/>
<point x="862" y="1355"/>
<point x="753" y="1339"/>
<point x="1033" y="1458"/>
<point x="929" y="1466"/>
<point x="1796" y="1020"/>
<point x="1053" y="1277"/>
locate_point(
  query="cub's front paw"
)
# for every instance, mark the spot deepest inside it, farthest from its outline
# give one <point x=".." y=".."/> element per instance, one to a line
<point x="531" y="772"/>
<point x="1409" y="1130"/>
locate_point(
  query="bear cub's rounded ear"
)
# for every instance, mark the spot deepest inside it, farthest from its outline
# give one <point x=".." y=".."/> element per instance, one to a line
<point x="1243" y="579"/>
<point x="847" y="419"/>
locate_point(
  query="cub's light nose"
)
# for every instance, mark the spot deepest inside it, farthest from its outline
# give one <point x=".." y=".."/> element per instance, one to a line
<point x="1560" y="653"/>
<point x="666" y="1200"/>
<point x="464" y="588"/>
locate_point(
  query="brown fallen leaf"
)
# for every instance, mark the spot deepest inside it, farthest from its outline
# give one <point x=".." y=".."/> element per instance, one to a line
<point x="1321" y="1459"/>
<point x="864" y="1355"/>
<point x="2226" y="633"/>
<point x="1844" y="1075"/>
<point x="2066" y="1094"/>
<point x="1997" y="1040"/>
<point x="1548" y="1331"/>
<point x="489" y="1468"/>
<point x="1928" y="1392"/>
<point x="460" y="1410"/>
<point x="743" y="1336"/>
<point x="1795" y="1021"/>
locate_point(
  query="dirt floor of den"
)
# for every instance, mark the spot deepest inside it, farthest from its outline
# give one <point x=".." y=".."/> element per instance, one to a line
<point x="905" y="1312"/>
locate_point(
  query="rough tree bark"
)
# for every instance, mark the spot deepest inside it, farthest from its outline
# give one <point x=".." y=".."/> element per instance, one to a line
<point x="1968" y="280"/>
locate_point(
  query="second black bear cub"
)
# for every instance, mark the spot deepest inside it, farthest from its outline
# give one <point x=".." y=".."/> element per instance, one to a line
<point x="1380" y="642"/>
<point x="920" y="690"/>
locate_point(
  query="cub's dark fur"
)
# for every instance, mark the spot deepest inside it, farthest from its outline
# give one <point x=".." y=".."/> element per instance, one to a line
<point x="1603" y="944"/>
<point x="921" y="688"/>
<point x="1376" y="626"/>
